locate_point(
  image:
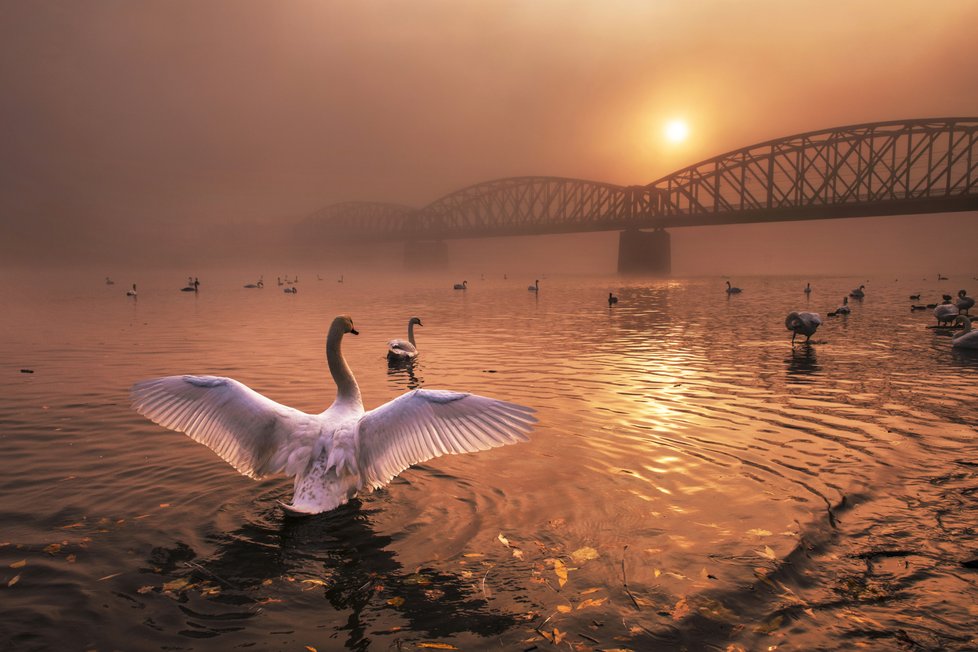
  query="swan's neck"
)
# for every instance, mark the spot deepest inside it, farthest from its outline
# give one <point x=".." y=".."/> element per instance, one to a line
<point x="347" y="390"/>
<point x="411" y="333"/>
<point x="967" y="327"/>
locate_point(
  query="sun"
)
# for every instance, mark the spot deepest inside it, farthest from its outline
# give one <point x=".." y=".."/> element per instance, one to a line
<point x="676" y="131"/>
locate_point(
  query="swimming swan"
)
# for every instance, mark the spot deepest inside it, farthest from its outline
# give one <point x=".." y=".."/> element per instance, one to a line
<point x="401" y="350"/>
<point x="858" y="292"/>
<point x="844" y="309"/>
<point x="535" y="287"/>
<point x="966" y="339"/>
<point x="802" y="323"/>
<point x="132" y="292"/>
<point x="340" y="452"/>
<point x="461" y="286"/>
<point x="733" y="290"/>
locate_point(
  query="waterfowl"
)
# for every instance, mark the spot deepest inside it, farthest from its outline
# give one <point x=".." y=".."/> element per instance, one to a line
<point x="109" y="281"/>
<point x="945" y="312"/>
<point x="808" y="288"/>
<point x="915" y="297"/>
<point x="340" y="452"/>
<point x="535" y="287"/>
<point x="732" y="290"/>
<point x="844" y="309"/>
<point x="291" y="290"/>
<point x="259" y="284"/>
<point x="964" y="302"/>
<point x="966" y="339"/>
<point x="916" y="307"/>
<point x="802" y="323"/>
<point x="941" y="278"/>
<point x="858" y="292"/>
<point x="132" y="292"/>
<point x="398" y="350"/>
<point x="612" y="299"/>
<point x="461" y="286"/>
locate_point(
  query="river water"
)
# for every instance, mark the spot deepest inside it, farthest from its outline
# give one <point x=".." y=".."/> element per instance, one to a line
<point x="694" y="480"/>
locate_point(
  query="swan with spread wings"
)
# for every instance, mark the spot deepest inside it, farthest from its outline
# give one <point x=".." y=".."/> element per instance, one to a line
<point x="340" y="452"/>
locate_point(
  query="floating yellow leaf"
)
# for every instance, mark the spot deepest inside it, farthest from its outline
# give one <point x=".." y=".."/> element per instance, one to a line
<point x="108" y="577"/>
<point x="564" y="608"/>
<point x="311" y="648"/>
<point x="164" y="505"/>
<point x="145" y="589"/>
<point x="313" y="584"/>
<point x="517" y="553"/>
<point x="590" y="591"/>
<point x="767" y="552"/>
<point x="266" y="582"/>
<point x="71" y="559"/>
<point x="656" y="572"/>
<point x="19" y="564"/>
<point x="503" y="539"/>
<point x="681" y="609"/>
<point x="438" y="646"/>
<point x="473" y="554"/>
<point x="558" y="636"/>
<point x="584" y="554"/>
<point x="592" y="602"/>
<point x="176" y="585"/>
<point x="396" y="601"/>
<point x="561" y="571"/>
<point x="53" y="548"/>
<point x="759" y="532"/>
<point x="15" y="579"/>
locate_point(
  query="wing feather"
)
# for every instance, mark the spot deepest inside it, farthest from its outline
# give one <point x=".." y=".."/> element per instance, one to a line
<point x="423" y="424"/>
<point x="252" y="433"/>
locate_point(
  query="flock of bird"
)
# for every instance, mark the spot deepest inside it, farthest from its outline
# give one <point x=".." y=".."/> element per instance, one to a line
<point x="948" y="315"/>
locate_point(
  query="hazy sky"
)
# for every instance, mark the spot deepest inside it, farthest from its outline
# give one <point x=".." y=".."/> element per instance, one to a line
<point x="144" y="125"/>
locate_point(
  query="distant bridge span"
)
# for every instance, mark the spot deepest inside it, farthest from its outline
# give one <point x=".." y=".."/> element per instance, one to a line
<point x="887" y="168"/>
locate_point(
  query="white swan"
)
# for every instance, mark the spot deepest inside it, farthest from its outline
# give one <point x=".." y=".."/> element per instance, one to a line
<point x="401" y="350"/>
<point x="335" y="454"/>
<point x="802" y="323"/>
<point x="733" y="290"/>
<point x="132" y="292"/>
<point x="844" y="309"/>
<point x="808" y="288"/>
<point x="461" y="286"/>
<point x="858" y="292"/>
<point x="945" y="312"/>
<point x="535" y="287"/>
<point x="291" y="290"/>
<point x="966" y="339"/>
<point x="964" y="302"/>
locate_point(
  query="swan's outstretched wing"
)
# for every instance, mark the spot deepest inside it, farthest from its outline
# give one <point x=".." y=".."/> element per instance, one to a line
<point x="427" y="423"/>
<point x="252" y="433"/>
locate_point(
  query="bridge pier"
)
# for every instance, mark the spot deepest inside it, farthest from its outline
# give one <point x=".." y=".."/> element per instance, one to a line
<point x="426" y="254"/>
<point x="644" y="252"/>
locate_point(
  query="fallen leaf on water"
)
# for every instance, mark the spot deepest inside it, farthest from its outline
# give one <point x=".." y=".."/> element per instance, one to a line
<point x="591" y="602"/>
<point x="473" y="554"/>
<point x="564" y="608"/>
<point x="266" y="582"/>
<point x="311" y="648"/>
<point x="140" y="517"/>
<point x="313" y="584"/>
<point x="680" y="610"/>
<point x="145" y="589"/>
<point x="19" y="564"/>
<point x="517" y="553"/>
<point x="52" y="548"/>
<point x="16" y="578"/>
<point x="503" y="540"/>
<point x="584" y="554"/>
<point x="434" y="594"/>
<point x="593" y="589"/>
<point x="176" y="585"/>
<point x="438" y="646"/>
<point x="73" y="525"/>
<point x="767" y="552"/>
<point x="558" y="636"/>
<point x="656" y="572"/>
<point x="71" y="559"/>
<point x="396" y="601"/>
<point x="561" y="571"/>
<point x="164" y="505"/>
<point x="759" y="532"/>
<point x="108" y="577"/>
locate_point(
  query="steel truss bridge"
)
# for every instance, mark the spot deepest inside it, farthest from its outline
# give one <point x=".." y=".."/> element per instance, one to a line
<point x="927" y="165"/>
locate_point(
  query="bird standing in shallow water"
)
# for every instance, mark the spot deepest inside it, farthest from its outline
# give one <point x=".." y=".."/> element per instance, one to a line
<point x="340" y="452"/>
<point x="802" y="323"/>
<point x="945" y="312"/>
<point x="964" y="302"/>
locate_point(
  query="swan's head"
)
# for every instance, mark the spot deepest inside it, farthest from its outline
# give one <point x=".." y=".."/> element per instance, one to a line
<point x="962" y="293"/>
<point x="415" y="320"/>
<point x="343" y="324"/>
<point x="962" y="319"/>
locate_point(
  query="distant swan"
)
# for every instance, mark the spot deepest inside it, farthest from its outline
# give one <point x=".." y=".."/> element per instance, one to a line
<point x="964" y="302"/>
<point x="802" y="323"/>
<point x="461" y="286"/>
<point x="535" y="287"/>
<point x="966" y="339"/>
<point x="192" y="286"/>
<point x="340" y="452"/>
<point x="401" y="350"/>
<point x="808" y="288"/>
<point x="259" y="284"/>
<point x="945" y="312"/>
<point x="291" y="290"/>
<point x="844" y="309"/>
<point x="733" y="290"/>
<point x="941" y="278"/>
<point x="612" y="299"/>
<point x="340" y="279"/>
<point x="132" y="292"/>
<point x="915" y="297"/>
<point x="109" y="281"/>
<point x="858" y="292"/>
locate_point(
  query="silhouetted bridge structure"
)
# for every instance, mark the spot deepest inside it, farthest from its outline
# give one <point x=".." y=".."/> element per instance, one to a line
<point x="885" y="168"/>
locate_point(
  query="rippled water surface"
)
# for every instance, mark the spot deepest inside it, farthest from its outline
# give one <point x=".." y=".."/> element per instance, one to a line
<point x="694" y="480"/>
